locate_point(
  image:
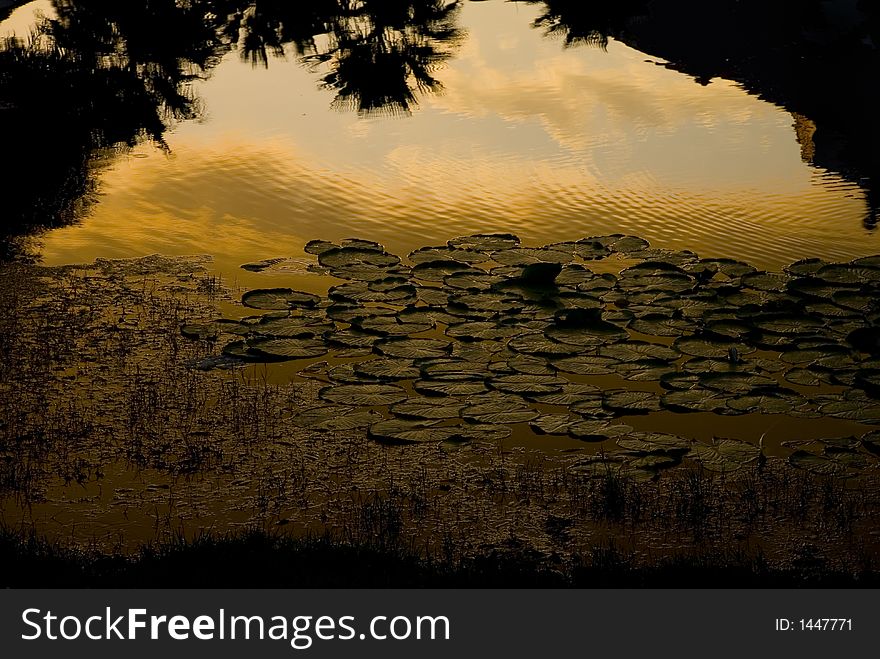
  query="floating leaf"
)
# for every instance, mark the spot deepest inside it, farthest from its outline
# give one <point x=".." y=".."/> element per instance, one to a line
<point x="598" y="430"/>
<point x="407" y="431"/>
<point x="287" y="348"/>
<point x="413" y="348"/>
<point x="554" y="424"/>
<point x="571" y="393"/>
<point x="278" y="299"/>
<point x="364" y="394"/>
<point x="538" y="344"/>
<point x="447" y="254"/>
<point x="499" y="409"/>
<point x="387" y="369"/>
<point x="586" y="365"/>
<point x="818" y="464"/>
<point x="481" y="330"/>
<point x="695" y="399"/>
<point x="454" y="369"/>
<point x="631" y="402"/>
<point x="726" y="455"/>
<point x="428" y="408"/>
<point x="439" y="270"/>
<point x="524" y="384"/>
<point x="633" y="351"/>
<point x="871" y="441"/>
<point x="661" y="325"/>
<point x="335" y="418"/>
<point x="654" y="442"/>
<point x="716" y="349"/>
<point x="453" y="388"/>
<point x="485" y="242"/>
<point x="530" y="255"/>
<point x="240" y="350"/>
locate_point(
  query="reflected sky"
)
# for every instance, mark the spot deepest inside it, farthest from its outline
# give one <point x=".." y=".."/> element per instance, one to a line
<point x="527" y="136"/>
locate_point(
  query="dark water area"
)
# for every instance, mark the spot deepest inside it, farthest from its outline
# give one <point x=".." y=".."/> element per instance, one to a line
<point x="738" y="129"/>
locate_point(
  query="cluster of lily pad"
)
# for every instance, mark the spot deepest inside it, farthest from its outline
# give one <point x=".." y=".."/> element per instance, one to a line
<point x="470" y="338"/>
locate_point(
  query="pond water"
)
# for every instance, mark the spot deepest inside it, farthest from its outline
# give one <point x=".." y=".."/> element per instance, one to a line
<point x="245" y="130"/>
<point x="508" y="130"/>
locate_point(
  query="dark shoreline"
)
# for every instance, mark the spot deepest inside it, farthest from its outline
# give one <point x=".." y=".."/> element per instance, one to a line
<point x="256" y="559"/>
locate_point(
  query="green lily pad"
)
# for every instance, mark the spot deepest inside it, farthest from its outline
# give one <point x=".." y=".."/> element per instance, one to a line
<point x="655" y="324"/>
<point x="712" y="348"/>
<point x="554" y="424"/>
<point x="871" y="441"/>
<point x="725" y="455"/>
<point x="335" y="418"/>
<point x="446" y="253"/>
<point x="633" y="351"/>
<point x="428" y="408"/>
<point x="405" y="431"/>
<point x="387" y="369"/>
<point x="525" y="384"/>
<point x="569" y="394"/>
<point x="485" y="242"/>
<point x="449" y="388"/>
<point x="598" y="430"/>
<point x="498" y="409"/>
<point x="363" y="394"/>
<point x="526" y="256"/>
<point x="530" y="365"/>
<point x="586" y="365"/>
<point x="346" y="257"/>
<point x="625" y="401"/>
<point x="439" y="270"/>
<point x="413" y="348"/>
<point x="695" y="399"/>
<point x="454" y="369"/>
<point x="537" y="343"/>
<point x="278" y="299"/>
<point x="654" y="442"/>
<point x="481" y="331"/>
<point x="818" y="464"/>
<point x="287" y="348"/>
<point x="319" y="246"/>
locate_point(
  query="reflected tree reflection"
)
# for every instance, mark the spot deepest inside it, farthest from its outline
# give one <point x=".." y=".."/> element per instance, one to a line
<point x="101" y="76"/>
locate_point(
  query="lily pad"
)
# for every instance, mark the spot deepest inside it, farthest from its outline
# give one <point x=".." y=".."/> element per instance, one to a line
<point x="413" y="348"/>
<point x="287" y="348"/>
<point x="364" y="394"/>
<point x="409" y="432"/>
<point x="633" y="351"/>
<point x="571" y="393"/>
<point x="818" y="464"/>
<point x="586" y="365"/>
<point x="428" y="408"/>
<point x="453" y="388"/>
<point x="387" y="369"/>
<point x="597" y="430"/>
<point x="725" y="454"/>
<point x="499" y="409"/>
<point x="626" y="401"/>
<point x="554" y="424"/>
<point x="524" y="384"/>
<point x="654" y="442"/>
<point x="485" y="242"/>
<point x="335" y="418"/>
<point x="278" y="299"/>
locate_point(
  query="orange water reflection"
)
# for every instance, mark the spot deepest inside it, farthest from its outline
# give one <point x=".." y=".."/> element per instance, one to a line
<point x="529" y="137"/>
